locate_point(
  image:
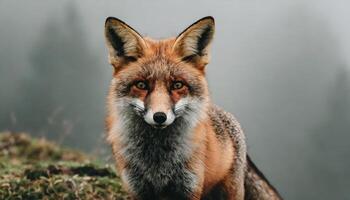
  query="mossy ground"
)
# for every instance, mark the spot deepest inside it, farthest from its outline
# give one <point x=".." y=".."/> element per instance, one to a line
<point x="39" y="169"/>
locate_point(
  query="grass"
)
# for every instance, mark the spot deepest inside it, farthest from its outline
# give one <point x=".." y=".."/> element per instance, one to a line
<point x="38" y="169"/>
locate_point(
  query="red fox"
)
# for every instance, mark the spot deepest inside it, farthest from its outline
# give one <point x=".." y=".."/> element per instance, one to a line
<point x="168" y="139"/>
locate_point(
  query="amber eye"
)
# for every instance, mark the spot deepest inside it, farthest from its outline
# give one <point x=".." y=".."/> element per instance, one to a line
<point x="177" y="85"/>
<point x="141" y="85"/>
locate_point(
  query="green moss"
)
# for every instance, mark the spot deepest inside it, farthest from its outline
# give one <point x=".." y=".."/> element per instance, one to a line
<point x="38" y="169"/>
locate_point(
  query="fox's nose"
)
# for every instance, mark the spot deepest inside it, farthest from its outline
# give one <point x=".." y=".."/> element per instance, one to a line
<point x="159" y="117"/>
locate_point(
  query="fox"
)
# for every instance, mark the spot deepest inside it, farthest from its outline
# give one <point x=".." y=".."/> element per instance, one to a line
<point x="168" y="139"/>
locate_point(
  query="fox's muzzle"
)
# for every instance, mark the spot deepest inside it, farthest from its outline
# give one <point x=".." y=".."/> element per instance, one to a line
<point x="159" y="112"/>
<point x="159" y="119"/>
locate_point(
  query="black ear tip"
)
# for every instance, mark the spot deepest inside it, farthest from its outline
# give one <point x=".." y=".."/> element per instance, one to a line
<point x="210" y="18"/>
<point x="113" y="19"/>
<point x="109" y="19"/>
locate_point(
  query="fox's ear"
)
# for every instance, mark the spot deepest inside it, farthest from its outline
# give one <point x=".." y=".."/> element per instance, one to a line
<point x="192" y="45"/>
<point x="124" y="43"/>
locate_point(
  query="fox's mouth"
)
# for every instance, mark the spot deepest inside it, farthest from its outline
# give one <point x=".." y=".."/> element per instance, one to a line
<point x="159" y="126"/>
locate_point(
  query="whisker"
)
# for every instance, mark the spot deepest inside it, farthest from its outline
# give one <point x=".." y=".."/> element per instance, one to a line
<point x="180" y="109"/>
<point x="137" y="107"/>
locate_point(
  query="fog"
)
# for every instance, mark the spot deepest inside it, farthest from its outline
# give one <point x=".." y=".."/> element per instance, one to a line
<point x="282" y="67"/>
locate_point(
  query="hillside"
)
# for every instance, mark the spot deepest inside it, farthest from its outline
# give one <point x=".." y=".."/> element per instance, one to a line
<point x="33" y="168"/>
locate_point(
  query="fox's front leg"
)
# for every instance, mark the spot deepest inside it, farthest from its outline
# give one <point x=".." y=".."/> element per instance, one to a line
<point x="234" y="188"/>
<point x="233" y="183"/>
<point x="198" y="170"/>
<point x="196" y="196"/>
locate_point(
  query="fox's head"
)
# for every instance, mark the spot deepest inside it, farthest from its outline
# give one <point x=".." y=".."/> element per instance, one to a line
<point x="158" y="82"/>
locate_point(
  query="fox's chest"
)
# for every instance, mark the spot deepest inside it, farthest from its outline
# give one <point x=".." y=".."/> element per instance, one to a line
<point x="158" y="168"/>
<point x="156" y="183"/>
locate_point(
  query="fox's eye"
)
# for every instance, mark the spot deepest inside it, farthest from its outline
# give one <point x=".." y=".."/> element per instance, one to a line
<point x="177" y="85"/>
<point x="141" y="85"/>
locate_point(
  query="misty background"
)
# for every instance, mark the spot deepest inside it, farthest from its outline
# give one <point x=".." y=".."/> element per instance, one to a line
<point x="282" y="67"/>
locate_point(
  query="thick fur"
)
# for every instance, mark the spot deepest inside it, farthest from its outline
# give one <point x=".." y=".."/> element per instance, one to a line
<point x="199" y="152"/>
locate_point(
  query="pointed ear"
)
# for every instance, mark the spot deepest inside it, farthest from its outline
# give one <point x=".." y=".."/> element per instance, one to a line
<point x="192" y="45"/>
<point x="123" y="42"/>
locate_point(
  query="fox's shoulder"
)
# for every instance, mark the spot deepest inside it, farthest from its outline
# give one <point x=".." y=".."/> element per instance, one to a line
<point x="226" y="126"/>
<point x="224" y="123"/>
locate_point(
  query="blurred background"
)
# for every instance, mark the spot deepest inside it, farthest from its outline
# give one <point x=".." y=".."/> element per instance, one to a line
<point x="282" y="67"/>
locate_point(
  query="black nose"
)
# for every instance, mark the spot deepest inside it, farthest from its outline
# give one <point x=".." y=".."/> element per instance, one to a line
<point x="159" y="117"/>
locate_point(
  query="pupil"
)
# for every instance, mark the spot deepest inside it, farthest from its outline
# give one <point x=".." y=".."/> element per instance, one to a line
<point x="178" y="85"/>
<point x="141" y="85"/>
